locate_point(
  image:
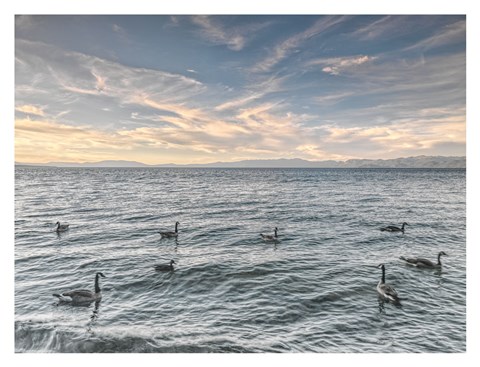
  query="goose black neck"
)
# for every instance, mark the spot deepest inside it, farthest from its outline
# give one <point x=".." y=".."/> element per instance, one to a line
<point x="176" y="227"/>
<point x="438" y="262"/>
<point x="275" y="233"/>
<point x="97" y="287"/>
<point x="383" y="274"/>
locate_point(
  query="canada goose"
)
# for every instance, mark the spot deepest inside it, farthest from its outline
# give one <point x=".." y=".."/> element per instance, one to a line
<point x="164" y="267"/>
<point x="169" y="233"/>
<point x="82" y="295"/>
<point x="61" y="227"/>
<point x="394" y="228"/>
<point x="268" y="237"/>
<point x="424" y="263"/>
<point x="386" y="290"/>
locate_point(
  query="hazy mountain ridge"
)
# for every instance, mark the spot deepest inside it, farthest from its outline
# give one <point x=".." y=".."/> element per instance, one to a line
<point x="408" y="162"/>
<point x="108" y="163"/>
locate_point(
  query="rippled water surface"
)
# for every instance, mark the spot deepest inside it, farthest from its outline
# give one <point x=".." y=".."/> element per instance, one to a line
<point x="312" y="291"/>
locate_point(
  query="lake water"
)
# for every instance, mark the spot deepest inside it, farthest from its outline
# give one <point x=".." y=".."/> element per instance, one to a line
<point x="314" y="290"/>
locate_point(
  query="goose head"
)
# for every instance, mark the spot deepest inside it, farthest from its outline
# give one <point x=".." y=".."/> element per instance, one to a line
<point x="100" y="274"/>
<point x="441" y="253"/>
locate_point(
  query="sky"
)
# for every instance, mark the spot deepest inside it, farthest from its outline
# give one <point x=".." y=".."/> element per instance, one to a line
<point x="196" y="89"/>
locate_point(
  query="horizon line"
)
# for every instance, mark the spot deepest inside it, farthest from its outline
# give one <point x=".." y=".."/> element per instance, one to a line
<point x="421" y="161"/>
<point x="266" y="160"/>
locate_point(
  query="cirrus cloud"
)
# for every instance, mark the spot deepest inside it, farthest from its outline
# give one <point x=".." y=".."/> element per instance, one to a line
<point x="30" y="110"/>
<point x="337" y="65"/>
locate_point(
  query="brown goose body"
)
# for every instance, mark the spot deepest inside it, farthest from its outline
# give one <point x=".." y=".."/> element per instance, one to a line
<point x="270" y="238"/>
<point x="386" y="290"/>
<point x="82" y="295"/>
<point x="170" y="234"/>
<point x="424" y="263"/>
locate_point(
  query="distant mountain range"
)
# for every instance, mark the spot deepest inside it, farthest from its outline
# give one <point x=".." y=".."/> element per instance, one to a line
<point x="410" y="162"/>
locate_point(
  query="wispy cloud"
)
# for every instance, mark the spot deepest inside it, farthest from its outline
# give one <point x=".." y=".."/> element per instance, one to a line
<point x="451" y="33"/>
<point x="121" y="33"/>
<point x="385" y="26"/>
<point x="51" y="141"/>
<point x="315" y="152"/>
<point x="239" y="102"/>
<point x="235" y="38"/>
<point x="419" y="136"/>
<point x="337" y="65"/>
<point x="30" y="110"/>
<point x="329" y="99"/>
<point x="415" y="81"/>
<point x="83" y="75"/>
<point x="288" y="46"/>
<point x="100" y="84"/>
<point x="390" y="89"/>
<point x="258" y="89"/>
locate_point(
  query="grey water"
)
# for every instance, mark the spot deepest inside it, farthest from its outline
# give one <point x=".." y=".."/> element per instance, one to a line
<point x="313" y="290"/>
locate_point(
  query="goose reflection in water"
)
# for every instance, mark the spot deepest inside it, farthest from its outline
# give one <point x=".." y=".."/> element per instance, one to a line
<point x="60" y="235"/>
<point x="93" y="317"/>
<point x="381" y="305"/>
<point x="174" y="239"/>
<point x="382" y="301"/>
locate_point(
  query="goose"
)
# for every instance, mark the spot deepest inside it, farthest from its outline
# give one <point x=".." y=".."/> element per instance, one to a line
<point x="268" y="237"/>
<point x="82" y="295"/>
<point x="386" y="290"/>
<point x="61" y="227"/>
<point x="424" y="263"/>
<point x="171" y="234"/>
<point x="395" y="228"/>
<point x="163" y="267"/>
